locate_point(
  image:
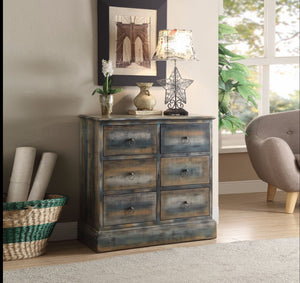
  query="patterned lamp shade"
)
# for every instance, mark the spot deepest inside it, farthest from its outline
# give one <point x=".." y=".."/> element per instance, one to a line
<point x="174" y="45"/>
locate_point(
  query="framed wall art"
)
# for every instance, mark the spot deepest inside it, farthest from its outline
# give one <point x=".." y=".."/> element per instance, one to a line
<point x="127" y="35"/>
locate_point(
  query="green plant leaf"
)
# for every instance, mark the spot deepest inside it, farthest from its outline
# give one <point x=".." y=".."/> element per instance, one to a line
<point x="99" y="90"/>
<point x="116" y="90"/>
<point x="241" y="68"/>
<point x="248" y="90"/>
<point x="252" y="84"/>
<point x="233" y="74"/>
<point x="229" y="53"/>
<point x="229" y="86"/>
<point x="245" y="95"/>
<point x="220" y="123"/>
<point x="221" y="83"/>
<point x="224" y="106"/>
<point x="221" y="17"/>
<point x="224" y="109"/>
<point x="223" y="61"/>
<point x="104" y="87"/>
<point x="232" y="123"/>
<point x="227" y="124"/>
<point x="226" y="29"/>
<point x="250" y="98"/>
<point x="224" y="98"/>
<point x="109" y="84"/>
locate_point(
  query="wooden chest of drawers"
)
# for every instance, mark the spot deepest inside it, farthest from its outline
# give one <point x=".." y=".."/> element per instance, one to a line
<point x="145" y="181"/>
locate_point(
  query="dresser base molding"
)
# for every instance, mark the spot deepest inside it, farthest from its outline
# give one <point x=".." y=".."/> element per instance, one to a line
<point x="119" y="239"/>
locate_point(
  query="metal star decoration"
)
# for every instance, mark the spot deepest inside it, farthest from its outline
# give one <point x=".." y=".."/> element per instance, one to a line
<point x="175" y="96"/>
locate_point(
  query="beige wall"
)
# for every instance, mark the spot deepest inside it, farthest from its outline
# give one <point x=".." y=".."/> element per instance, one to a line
<point x="50" y="67"/>
<point x="235" y="167"/>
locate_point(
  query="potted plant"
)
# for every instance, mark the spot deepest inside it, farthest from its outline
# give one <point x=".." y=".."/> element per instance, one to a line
<point x="233" y="80"/>
<point x="106" y="93"/>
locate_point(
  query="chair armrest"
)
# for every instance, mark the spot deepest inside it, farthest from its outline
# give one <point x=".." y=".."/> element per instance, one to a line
<point x="277" y="149"/>
<point x="281" y="169"/>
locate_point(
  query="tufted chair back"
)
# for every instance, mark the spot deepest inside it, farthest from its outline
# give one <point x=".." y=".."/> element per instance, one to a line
<point x="284" y="125"/>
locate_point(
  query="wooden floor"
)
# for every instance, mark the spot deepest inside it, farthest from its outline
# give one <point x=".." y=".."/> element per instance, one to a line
<point x="242" y="217"/>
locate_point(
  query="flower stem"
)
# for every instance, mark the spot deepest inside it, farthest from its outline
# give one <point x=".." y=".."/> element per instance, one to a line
<point x="107" y="77"/>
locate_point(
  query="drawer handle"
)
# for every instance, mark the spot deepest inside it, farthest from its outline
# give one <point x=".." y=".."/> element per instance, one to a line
<point x="131" y="175"/>
<point x="186" y="204"/>
<point x="131" y="141"/>
<point x="130" y="210"/>
<point x="185" y="172"/>
<point x="185" y="140"/>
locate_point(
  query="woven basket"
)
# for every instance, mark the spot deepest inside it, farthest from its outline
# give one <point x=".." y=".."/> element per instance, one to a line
<point x="28" y="225"/>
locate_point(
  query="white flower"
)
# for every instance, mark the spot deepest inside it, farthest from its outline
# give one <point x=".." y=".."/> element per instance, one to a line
<point x="107" y="68"/>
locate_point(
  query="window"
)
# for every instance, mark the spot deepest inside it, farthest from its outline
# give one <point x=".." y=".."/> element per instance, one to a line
<point x="268" y="34"/>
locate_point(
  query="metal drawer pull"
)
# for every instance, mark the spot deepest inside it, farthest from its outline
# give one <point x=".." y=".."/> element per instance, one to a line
<point x="186" y="204"/>
<point x="185" y="140"/>
<point x="131" y="175"/>
<point x="131" y="141"/>
<point x="185" y="172"/>
<point x="130" y="210"/>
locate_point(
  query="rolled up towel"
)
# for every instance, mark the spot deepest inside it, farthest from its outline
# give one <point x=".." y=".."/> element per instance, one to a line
<point x="43" y="176"/>
<point x="21" y="174"/>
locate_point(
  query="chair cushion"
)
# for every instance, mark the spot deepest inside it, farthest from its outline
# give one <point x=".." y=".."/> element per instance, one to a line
<point x="297" y="156"/>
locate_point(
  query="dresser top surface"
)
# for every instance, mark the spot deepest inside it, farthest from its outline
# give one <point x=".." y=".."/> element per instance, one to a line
<point x="148" y="117"/>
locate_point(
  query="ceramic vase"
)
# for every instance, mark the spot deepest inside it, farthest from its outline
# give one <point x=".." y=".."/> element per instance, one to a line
<point x="144" y="100"/>
<point x="106" y="103"/>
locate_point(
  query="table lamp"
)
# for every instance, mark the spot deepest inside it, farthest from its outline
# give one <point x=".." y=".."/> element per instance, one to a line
<point x="175" y="45"/>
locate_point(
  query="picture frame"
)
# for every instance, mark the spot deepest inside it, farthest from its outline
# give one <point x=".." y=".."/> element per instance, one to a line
<point x="131" y="61"/>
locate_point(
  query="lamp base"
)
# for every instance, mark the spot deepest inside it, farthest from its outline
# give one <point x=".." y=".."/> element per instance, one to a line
<point x="176" y="112"/>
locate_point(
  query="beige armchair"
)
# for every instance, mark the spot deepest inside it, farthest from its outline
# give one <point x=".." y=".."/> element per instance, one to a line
<point x="274" y="150"/>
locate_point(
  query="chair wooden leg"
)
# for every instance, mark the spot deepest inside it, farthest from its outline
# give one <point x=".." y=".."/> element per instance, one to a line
<point x="291" y="199"/>
<point x="271" y="192"/>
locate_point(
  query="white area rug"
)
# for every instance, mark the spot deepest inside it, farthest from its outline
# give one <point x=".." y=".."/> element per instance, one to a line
<point x="269" y="261"/>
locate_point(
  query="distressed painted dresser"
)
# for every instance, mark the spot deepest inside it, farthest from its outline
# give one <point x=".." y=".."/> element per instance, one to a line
<point x="145" y="181"/>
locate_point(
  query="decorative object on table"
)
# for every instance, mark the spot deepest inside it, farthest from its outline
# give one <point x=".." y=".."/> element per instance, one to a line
<point x="144" y="112"/>
<point x="28" y="225"/>
<point x="175" y="45"/>
<point x="106" y="93"/>
<point x="144" y="101"/>
<point x="21" y="174"/>
<point x="106" y="103"/>
<point x="127" y="34"/>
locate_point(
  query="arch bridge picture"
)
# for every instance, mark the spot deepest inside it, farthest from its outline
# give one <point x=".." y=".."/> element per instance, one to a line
<point x="127" y="35"/>
<point x="132" y="47"/>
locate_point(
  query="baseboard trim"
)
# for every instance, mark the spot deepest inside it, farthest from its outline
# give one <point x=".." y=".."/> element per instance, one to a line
<point x="64" y="231"/>
<point x="241" y="187"/>
<point x="215" y="214"/>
